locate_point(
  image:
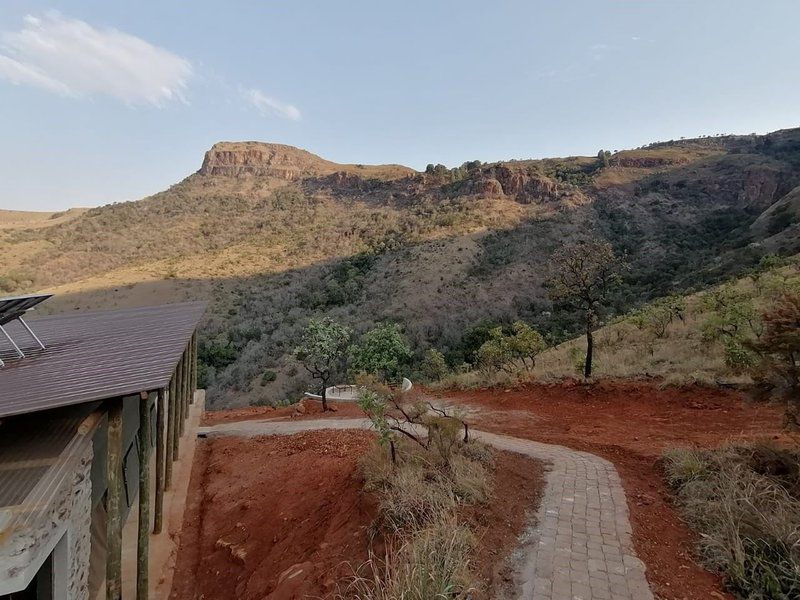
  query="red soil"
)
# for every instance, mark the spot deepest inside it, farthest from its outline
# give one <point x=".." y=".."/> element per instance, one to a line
<point x="518" y="485"/>
<point x="305" y="409"/>
<point x="274" y="518"/>
<point x="283" y="518"/>
<point x="631" y="424"/>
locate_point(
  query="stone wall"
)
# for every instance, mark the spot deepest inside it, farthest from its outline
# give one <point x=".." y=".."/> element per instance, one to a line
<point x="79" y="532"/>
<point x="65" y="522"/>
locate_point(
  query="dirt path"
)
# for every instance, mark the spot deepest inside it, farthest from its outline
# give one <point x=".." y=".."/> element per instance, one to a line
<point x="582" y="546"/>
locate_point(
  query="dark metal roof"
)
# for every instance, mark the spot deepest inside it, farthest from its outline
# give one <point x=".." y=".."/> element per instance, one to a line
<point x="97" y="355"/>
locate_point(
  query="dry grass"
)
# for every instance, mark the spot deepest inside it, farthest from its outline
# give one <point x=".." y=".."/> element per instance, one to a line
<point x="419" y="489"/>
<point x="428" y="549"/>
<point x="744" y="500"/>
<point x="681" y="356"/>
<point x="433" y="564"/>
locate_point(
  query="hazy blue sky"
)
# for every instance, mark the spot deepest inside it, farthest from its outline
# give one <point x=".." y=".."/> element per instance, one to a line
<point x="104" y="101"/>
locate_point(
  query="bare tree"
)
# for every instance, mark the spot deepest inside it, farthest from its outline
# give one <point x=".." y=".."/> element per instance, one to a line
<point x="584" y="274"/>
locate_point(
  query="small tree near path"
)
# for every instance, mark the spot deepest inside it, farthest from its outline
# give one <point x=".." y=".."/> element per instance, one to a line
<point x="584" y="274"/>
<point x="322" y="350"/>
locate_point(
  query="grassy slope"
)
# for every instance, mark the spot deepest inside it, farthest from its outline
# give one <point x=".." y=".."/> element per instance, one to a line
<point x="623" y="350"/>
<point x="267" y="253"/>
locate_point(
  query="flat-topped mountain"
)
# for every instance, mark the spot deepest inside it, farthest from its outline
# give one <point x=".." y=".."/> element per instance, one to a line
<point x="272" y="234"/>
<point x="282" y="162"/>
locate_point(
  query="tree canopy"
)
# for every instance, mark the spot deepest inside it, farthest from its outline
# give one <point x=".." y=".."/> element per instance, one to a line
<point x="382" y="351"/>
<point x="583" y="276"/>
<point x="509" y="352"/>
<point x="322" y="350"/>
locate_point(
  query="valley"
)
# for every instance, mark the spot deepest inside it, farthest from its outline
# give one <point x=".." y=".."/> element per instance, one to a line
<point x="271" y="235"/>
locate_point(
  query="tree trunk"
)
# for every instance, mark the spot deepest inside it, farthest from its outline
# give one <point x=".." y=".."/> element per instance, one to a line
<point x="587" y="367"/>
<point x="324" y="396"/>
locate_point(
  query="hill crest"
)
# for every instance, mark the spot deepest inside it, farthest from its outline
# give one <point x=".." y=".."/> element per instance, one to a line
<point x="282" y="161"/>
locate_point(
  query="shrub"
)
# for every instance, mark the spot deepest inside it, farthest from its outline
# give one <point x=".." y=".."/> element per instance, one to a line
<point x="737" y="357"/>
<point x="578" y="359"/>
<point x="512" y="352"/>
<point x="268" y="377"/>
<point x="434" y="366"/>
<point x="744" y="500"/>
<point x="779" y="349"/>
<point x="657" y="316"/>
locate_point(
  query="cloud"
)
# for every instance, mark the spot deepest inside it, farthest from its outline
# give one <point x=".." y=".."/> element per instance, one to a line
<point x="268" y="106"/>
<point x="71" y="58"/>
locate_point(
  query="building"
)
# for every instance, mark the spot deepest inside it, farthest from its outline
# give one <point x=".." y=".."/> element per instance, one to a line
<point x="93" y="409"/>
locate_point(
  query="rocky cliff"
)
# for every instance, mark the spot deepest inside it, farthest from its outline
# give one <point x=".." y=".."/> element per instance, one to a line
<point x="257" y="158"/>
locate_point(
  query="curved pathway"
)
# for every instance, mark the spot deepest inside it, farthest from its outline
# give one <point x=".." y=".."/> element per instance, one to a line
<point x="581" y="547"/>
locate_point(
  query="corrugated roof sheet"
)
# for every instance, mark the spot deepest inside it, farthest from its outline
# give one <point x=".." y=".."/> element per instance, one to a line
<point x="94" y="356"/>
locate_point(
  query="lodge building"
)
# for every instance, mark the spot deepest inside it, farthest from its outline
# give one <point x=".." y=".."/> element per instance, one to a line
<point x="98" y="418"/>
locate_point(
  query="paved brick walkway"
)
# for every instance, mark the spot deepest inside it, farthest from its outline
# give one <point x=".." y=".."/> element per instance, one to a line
<point x="581" y="547"/>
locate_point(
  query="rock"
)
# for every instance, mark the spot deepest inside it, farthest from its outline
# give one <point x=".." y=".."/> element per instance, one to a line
<point x="236" y="553"/>
<point x="256" y="158"/>
<point x="293" y="571"/>
<point x="760" y="185"/>
<point x="520" y="183"/>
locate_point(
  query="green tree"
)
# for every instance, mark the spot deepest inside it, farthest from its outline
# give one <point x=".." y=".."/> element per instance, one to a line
<point x="322" y="350"/>
<point x="660" y="314"/>
<point x="513" y="351"/>
<point x="603" y="157"/>
<point x="434" y="366"/>
<point x="382" y="351"/>
<point x="732" y="314"/>
<point x="584" y="274"/>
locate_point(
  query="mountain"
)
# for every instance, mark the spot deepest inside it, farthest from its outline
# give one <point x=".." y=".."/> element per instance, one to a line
<point x="272" y="234"/>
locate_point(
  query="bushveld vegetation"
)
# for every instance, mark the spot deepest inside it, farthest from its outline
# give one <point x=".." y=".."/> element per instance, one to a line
<point x="423" y="467"/>
<point x="447" y="255"/>
<point x="712" y="337"/>
<point x="744" y="500"/>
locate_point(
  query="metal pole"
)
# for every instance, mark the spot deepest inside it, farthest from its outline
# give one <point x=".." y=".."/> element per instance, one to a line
<point x="8" y="337"/>
<point x="30" y="332"/>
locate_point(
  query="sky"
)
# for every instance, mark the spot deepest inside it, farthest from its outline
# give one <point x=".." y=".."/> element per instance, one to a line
<point x="108" y="101"/>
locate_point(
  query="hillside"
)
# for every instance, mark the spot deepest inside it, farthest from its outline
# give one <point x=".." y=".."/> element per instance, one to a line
<point x="272" y="234"/>
<point x="672" y="347"/>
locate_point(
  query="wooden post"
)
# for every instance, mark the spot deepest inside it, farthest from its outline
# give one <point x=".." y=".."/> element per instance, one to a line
<point x="188" y="378"/>
<point x="113" y="502"/>
<point x="194" y="364"/>
<point x="158" y="517"/>
<point x="179" y="385"/>
<point x="143" y="539"/>
<point x="172" y="446"/>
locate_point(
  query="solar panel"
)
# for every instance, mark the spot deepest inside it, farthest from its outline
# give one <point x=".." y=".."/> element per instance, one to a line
<point x="16" y="306"/>
<point x="12" y="309"/>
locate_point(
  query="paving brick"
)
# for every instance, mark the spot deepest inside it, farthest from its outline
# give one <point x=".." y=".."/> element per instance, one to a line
<point x="581" y="548"/>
